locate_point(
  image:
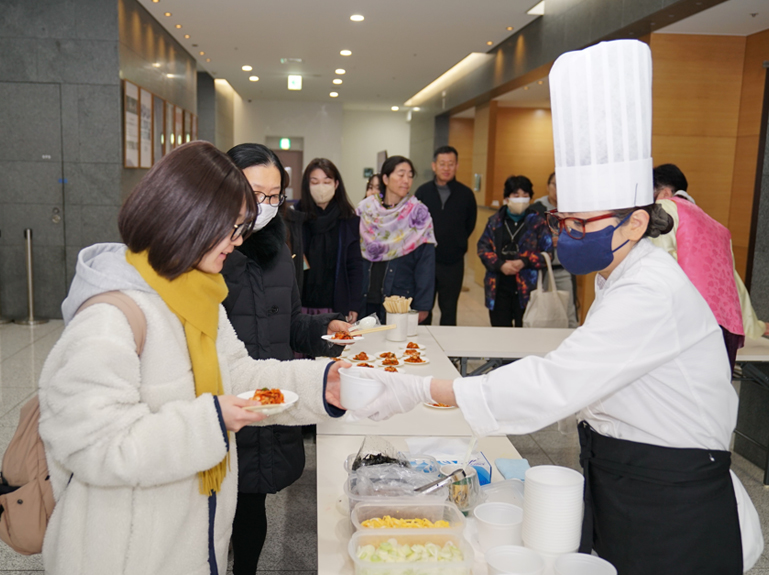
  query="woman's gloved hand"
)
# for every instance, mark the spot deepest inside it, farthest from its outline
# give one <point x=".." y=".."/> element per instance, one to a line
<point x="402" y="393"/>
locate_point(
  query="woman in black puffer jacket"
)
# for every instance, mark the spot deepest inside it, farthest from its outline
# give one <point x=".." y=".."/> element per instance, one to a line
<point x="264" y="307"/>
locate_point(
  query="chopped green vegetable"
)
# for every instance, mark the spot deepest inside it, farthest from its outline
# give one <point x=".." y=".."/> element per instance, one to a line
<point x="391" y="552"/>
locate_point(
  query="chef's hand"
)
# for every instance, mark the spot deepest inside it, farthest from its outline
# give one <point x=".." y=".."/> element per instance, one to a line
<point x="337" y="325"/>
<point x="402" y="393"/>
<point x="233" y="414"/>
<point x="332" y="384"/>
<point x="512" y="267"/>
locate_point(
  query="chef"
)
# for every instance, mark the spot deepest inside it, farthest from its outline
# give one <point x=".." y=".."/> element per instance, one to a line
<point x="648" y="373"/>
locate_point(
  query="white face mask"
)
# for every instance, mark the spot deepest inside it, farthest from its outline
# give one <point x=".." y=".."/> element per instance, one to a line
<point x="322" y="193"/>
<point x="266" y="213"/>
<point x="517" y="205"/>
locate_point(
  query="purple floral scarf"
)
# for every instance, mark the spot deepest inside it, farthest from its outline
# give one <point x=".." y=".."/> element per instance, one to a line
<point x="389" y="233"/>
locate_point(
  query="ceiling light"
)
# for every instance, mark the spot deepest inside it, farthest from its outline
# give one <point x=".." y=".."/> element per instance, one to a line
<point x="395" y="108"/>
<point x="187" y="36"/>
<point x="489" y="43"/>
<point x="541" y="82"/>
<point x="336" y="81"/>
<point x="155" y="1"/>
<point x="168" y="14"/>
<point x="537" y="9"/>
<point x="290" y="60"/>
<point x="156" y="64"/>
<point x="169" y="75"/>
<point x="339" y="71"/>
<point x="357" y="18"/>
<point x="178" y="26"/>
<point x="333" y="94"/>
<point x="346" y="53"/>
<point x="525" y="87"/>
<point x="254" y="78"/>
<point x="246" y="68"/>
<point x="294" y="82"/>
<point x="453" y="74"/>
<point x="208" y="59"/>
<point x="509" y="28"/>
<point x="202" y="53"/>
<point x="416" y="109"/>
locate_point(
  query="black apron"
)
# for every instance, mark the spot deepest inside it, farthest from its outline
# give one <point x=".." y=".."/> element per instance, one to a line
<point x="653" y="510"/>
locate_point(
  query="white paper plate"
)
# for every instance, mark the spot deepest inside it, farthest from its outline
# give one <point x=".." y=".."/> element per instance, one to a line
<point x="290" y="399"/>
<point x="424" y="361"/>
<point x="396" y="352"/>
<point x="371" y="358"/>
<point x="330" y="338"/>
<point x="380" y="363"/>
<point x="433" y="406"/>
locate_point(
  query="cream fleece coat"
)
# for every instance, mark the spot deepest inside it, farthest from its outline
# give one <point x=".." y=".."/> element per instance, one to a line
<point x="133" y="436"/>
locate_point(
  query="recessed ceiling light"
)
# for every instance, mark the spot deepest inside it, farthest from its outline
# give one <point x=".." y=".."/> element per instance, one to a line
<point x="169" y="75"/>
<point x="333" y="94"/>
<point x="340" y="71"/>
<point x="525" y="87"/>
<point x="294" y="82"/>
<point x="541" y="82"/>
<point x="416" y="109"/>
<point x="178" y="26"/>
<point x="155" y="1"/>
<point x="336" y="81"/>
<point x="489" y="43"/>
<point x="156" y="64"/>
<point x="246" y="68"/>
<point x="357" y="18"/>
<point x="254" y="78"/>
<point x="202" y="53"/>
<point x="537" y="9"/>
<point x="168" y="14"/>
<point x="208" y="59"/>
<point x="186" y="36"/>
<point x="346" y="53"/>
<point x="510" y="28"/>
<point x="395" y="108"/>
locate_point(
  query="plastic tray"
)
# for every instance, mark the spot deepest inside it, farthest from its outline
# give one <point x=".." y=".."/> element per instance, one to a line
<point x="424" y="463"/>
<point x="354" y="499"/>
<point x="445" y="511"/>
<point x="410" y="537"/>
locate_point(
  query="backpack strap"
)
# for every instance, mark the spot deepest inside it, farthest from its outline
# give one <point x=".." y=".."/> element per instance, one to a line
<point x="130" y="309"/>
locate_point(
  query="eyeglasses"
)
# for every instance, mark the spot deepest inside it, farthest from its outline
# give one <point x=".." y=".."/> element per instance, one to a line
<point x="574" y="227"/>
<point x="274" y="200"/>
<point x="240" y="230"/>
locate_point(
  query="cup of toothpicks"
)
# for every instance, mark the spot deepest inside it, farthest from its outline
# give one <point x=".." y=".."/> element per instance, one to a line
<point x="397" y="308"/>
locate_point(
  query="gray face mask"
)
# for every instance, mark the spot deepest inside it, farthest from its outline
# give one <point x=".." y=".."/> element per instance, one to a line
<point x="266" y="213"/>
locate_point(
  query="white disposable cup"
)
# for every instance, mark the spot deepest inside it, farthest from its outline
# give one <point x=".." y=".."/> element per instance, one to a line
<point x="401" y="321"/>
<point x="498" y="524"/>
<point x="356" y="390"/>
<point x="413" y="322"/>
<point x="581" y="564"/>
<point x="514" y="560"/>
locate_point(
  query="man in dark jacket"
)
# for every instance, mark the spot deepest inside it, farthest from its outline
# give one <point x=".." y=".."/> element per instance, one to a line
<point x="265" y="310"/>
<point x="453" y="209"/>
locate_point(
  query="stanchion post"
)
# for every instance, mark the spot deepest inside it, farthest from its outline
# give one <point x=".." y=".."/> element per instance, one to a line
<point x="30" y="320"/>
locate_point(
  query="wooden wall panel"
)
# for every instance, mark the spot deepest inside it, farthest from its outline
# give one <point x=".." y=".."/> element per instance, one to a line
<point x="524" y="147"/>
<point x="751" y="101"/>
<point x="461" y="138"/>
<point x="484" y="143"/>
<point x="696" y="84"/>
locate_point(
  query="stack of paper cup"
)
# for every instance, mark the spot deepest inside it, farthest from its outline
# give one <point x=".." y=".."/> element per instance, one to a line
<point x="552" y="509"/>
<point x="579" y="564"/>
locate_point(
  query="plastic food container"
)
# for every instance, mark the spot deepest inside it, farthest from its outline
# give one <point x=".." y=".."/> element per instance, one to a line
<point x="410" y="537"/>
<point x="411" y="510"/>
<point x="354" y="498"/>
<point x="423" y="463"/>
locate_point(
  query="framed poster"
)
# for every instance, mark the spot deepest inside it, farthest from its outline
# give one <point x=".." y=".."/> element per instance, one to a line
<point x="170" y="138"/>
<point x="194" y="126"/>
<point x="178" y="125"/>
<point x="130" y="125"/>
<point x="145" y="129"/>
<point x="187" y="126"/>
<point x="158" y="128"/>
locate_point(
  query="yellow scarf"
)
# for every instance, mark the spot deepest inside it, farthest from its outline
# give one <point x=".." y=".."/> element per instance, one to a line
<point x="194" y="297"/>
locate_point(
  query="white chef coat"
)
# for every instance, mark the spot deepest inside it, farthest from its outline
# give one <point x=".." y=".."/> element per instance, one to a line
<point x="649" y="365"/>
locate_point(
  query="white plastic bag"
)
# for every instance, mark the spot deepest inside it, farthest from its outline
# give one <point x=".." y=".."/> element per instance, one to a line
<point x="547" y="308"/>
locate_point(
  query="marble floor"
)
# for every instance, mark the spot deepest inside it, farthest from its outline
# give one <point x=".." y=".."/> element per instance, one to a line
<point x="291" y="545"/>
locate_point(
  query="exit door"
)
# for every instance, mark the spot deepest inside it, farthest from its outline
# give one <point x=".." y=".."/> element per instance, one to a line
<point x="292" y="160"/>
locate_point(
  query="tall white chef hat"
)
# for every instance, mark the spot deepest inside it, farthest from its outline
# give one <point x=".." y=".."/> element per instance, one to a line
<point x="602" y="126"/>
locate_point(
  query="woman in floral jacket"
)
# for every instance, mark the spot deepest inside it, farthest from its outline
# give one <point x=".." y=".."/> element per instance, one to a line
<point x="511" y="249"/>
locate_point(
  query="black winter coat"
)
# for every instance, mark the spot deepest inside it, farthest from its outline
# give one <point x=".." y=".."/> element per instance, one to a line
<point x="263" y="306"/>
<point x="454" y="222"/>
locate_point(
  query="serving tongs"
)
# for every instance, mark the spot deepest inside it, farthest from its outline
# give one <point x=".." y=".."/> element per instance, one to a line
<point x="458" y="475"/>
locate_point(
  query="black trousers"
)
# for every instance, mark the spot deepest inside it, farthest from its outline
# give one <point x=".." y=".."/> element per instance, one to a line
<point x="249" y="530"/>
<point x="507" y="310"/>
<point x="448" y="286"/>
<point x="652" y="510"/>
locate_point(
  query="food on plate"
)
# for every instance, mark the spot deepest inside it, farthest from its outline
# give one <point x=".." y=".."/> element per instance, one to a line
<point x="267" y="396"/>
<point x="414" y="359"/>
<point x="440" y="405"/>
<point x="415" y="352"/>
<point x="391" y="552"/>
<point x="362" y="356"/>
<point x="393" y="523"/>
<point x="412" y="345"/>
<point x="365" y="365"/>
<point x="391" y="369"/>
<point x="341" y="335"/>
<point x="387" y="354"/>
<point x="390" y="361"/>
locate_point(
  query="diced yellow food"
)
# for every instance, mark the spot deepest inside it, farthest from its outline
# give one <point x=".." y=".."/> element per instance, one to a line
<point x="393" y="523"/>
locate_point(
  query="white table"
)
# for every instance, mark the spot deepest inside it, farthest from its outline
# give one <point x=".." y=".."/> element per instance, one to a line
<point x="421" y="421"/>
<point x="334" y="526"/>
<point x="755" y="351"/>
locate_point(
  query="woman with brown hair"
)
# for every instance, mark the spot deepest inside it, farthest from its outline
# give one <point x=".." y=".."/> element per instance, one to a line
<point x="140" y="451"/>
<point x="331" y="236"/>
